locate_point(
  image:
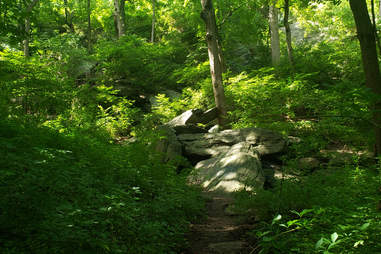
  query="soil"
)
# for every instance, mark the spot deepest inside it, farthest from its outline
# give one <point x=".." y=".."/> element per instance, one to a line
<point x="222" y="231"/>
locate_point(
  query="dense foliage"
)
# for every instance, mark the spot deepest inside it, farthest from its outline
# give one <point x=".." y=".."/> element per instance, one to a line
<point x="79" y="172"/>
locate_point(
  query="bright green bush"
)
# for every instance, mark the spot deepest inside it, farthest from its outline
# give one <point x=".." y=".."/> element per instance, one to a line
<point x="138" y="66"/>
<point x="297" y="106"/>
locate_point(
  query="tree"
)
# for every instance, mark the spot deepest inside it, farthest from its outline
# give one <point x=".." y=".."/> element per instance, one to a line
<point x="89" y="25"/>
<point x="216" y="68"/>
<point x="288" y="33"/>
<point x="370" y="62"/>
<point x="120" y="17"/>
<point x="274" y="29"/>
<point x="153" y="21"/>
<point x="68" y="17"/>
<point x="26" y="40"/>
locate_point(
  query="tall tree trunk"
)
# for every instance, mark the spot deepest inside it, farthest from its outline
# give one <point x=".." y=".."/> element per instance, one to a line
<point x="208" y="15"/>
<point x="153" y="22"/>
<point x="367" y="40"/>
<point x="375" y="26"/>
<point x="68" y="17"/>
<point x="26" y="40"/>
<point x="89" y="25"/>
<point x="27" y="37"/>
<point x="274" y="28"/>
<point x="120" y="16"/>
<point x="288" y="34"/>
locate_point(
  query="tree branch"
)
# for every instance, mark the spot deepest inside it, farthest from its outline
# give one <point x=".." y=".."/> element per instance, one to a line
<point x="231" y="12"/>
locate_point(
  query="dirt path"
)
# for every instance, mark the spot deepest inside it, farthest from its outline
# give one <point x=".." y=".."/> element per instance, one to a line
<point x="220" y="233"/>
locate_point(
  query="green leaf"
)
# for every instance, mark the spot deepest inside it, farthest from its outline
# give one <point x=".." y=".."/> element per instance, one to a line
<point x="334" y="237"/>
<point x="292" y="222"/>
<point x="267" y="239"/>
<point x="319" y="243"/>
<point x="277" y="218"/>
<point x="361" y="242"/>
<point x="305" y="211"/>
<point x="365" y="226"/>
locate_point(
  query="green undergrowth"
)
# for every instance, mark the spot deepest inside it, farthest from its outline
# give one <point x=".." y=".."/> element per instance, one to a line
<point x="66" y="185"/>
<point x="78" y="194"/>
<point x="333" y="210"/>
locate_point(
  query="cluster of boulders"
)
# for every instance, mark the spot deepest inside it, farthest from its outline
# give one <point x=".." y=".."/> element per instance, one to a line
<point x="226" y="160"/>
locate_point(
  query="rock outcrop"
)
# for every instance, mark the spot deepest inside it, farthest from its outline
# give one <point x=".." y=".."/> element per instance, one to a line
<point x="228" y="160"/>
<point x="238" y="168"/>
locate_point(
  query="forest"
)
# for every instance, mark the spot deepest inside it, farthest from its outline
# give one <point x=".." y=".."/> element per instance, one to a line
<point x="94" y="157"/>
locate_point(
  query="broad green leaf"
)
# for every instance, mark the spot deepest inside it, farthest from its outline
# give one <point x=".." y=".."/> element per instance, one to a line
<point x="277" y="218"/>
<point x="361" y="242"/>
<point x="305" y="211"/>
<point x="334" y="237"/>
<point x="292" y="222"/>
<point x="319" y="243"/>
<point x="365" y="226"/>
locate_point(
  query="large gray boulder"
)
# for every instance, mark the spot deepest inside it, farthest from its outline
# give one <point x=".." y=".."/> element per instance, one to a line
<point x="237" y="168"/>
<point x="194" y="116"/>
<point x="168" y="145"/>
<point x="212" y="144"/>
<point x="188" y="117"/>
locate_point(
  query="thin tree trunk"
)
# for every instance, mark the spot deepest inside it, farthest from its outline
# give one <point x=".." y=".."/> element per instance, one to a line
<point x="89" y="25"/>
<point x="288" y="34"/>
<point x="27" y="37"/>
<point x="274" y="28"/>
<point x="368" y="48"/>
<point x="153" y="22"/>
<point x="221" y="56"/>
<point x="209" y="18"/>
<point x="120" y="16"/>
<point x="375" y="26"/>
<point x="27" y="28"/>
<point x="68" y="17"/>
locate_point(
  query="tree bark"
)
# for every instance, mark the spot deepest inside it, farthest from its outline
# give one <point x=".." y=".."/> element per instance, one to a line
<point x="27" y="37"/>
<point x="288" y="34"/>
<point x="27" y="28"/>
<point x="375" y="26"/>
<point x="120" y="16"/>
<point x="153" y="22"/>
<point x="89" y="25"/>
<point x="208" y="15"/>
<point x="274" y="28"/>
<point x="68" y="17"/>
<point x="370" y="62"/>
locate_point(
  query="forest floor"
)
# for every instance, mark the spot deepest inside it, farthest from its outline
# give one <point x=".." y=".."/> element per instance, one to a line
<point x="222" y="231"/>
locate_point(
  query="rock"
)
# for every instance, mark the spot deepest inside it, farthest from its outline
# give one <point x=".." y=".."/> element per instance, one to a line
<point x="214" y="129"/>
<point x="308" y="163"/>
<point x="188" y="129"/>
<point x="230" y="171"/>
<point x="211" y="144"/>
<point x="208" y="116"/>
<point x="293" y="140"/>
<point x="168" y="144"/>
<point x="194" y="116"/>
<point x="268" y="173"/>
<point x="346" y="156"/>
<point x="188" y="117"/>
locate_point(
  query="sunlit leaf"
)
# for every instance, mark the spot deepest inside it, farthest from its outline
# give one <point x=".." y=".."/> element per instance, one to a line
<point x="334" y="237"/>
